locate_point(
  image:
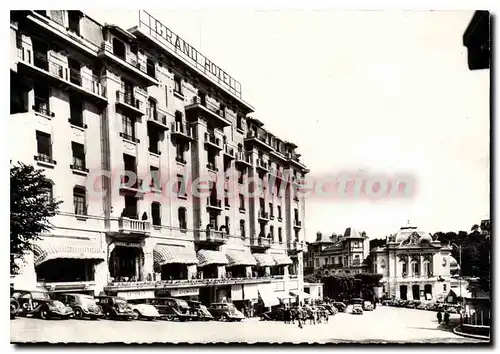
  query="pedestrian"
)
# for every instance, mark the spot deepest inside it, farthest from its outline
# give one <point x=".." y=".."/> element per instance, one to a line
<point x="439" y="317"/>
<point x="286" y="315"/>
<point x="299" y="316"/>
<point x="293" y="314"/>
<point x="446" y="317"/>
<point x="326" y="317"/>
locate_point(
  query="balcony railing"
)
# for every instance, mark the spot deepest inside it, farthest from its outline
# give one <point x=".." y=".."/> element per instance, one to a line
<point x="128" y="225"/>
<point x="156" y="116"/>
<point x="45" y="158"/>
<point x="211" y="166"/>
<point x="216" y="236"/>
<point x="181" y="129"/>
<point x="89" y="83"/>
<point x="262" y="241"/>
<point x="212" y="139"/>
<point x="129" y="137"/>
<point x="79" y="167"/>
<point x="124" y="182"/>
<point x="229" y="151"/>
<point x="264" y="215"/>
<point x="211" y="107"/>
<point x="128" y="98"/>
<point x="243" y="157"/>
<point x="42" y="106"/>
<point x="262" y="164"/>
<point x="297" y="223"/>
<point x="214" y="203"/>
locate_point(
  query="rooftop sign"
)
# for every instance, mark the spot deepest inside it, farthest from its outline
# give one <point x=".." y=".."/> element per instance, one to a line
<point x="172" y="41"/>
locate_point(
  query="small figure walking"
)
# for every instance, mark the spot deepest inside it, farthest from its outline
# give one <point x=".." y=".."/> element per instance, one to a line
<point x="439" y="317"/>
<point x="446" y="317"/>
<point x="299" y="316"/>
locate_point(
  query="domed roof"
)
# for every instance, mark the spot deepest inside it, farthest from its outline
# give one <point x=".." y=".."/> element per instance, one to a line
<point x="406" y="232"/>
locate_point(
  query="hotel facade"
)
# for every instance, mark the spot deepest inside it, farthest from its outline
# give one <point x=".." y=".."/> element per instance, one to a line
<point x="125" y="125"/>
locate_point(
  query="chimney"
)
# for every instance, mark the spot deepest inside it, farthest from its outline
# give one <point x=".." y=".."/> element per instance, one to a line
<point x="318" y="236"/>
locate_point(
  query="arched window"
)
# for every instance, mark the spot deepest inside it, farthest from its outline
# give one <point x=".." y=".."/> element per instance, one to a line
<point x="178" y="117"/>
<point x="79" y="200"/>
<point x="242" y="228"/>
<point x="156" y="213"/>
<point x="240" y="147"/>
<point x="182" y="218"/>
<point x="415" y="268"/>
<point x="47" y="190"/>
<point x="427" y="269"/>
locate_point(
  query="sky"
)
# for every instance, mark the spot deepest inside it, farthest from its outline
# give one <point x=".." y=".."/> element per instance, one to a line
<point x="388" y="92"/>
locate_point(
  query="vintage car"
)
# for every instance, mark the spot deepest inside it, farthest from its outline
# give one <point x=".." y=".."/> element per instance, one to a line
<point x="201" y="311"/>
<point x="145" y="311"/>
<point x="171" y="309"/>
<point x="276" y="314"/>
<point x="332" y="310"/>
<point x="115" y="307"/>
<point x="38" y="303"/>
<point x="367" y="306"/>
<point x="84" y="306"/>
<point x="388" y="302"/>
<point x="14" y="304"/>
<point x="340" y="306"/>
<point x="357" y="309"/>
<point x="225" y="311"/>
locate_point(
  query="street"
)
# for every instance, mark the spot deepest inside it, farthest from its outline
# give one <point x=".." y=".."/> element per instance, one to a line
<point x="384" y="324"/>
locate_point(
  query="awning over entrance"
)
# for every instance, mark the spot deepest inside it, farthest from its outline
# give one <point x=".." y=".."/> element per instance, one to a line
<point x="264" y="260"/>
<point x="282" y="259"/>
<point x="52" y="248"/>
<point x="268" y="297"/>
<point x="208" y="257"/>
<point x="166" y="254"/>
<point x="300" y="294"/>
<point x="240" y="258"/>
<point x="283" y="295"/>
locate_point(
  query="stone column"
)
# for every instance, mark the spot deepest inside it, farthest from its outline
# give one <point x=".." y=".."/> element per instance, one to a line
<point x="248" y="271"/>
<point x="221" y="271"/>
<point x="191" y="271"/>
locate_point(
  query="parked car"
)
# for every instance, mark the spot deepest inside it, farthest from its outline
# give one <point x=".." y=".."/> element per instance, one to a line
<point x="332" y="310"/>
<point x="451" y="309"/>
<point x="38" y="303"/>
<point x="277" y="314"/>
<point x="357" y="309"/>
<point x="202" y="313"/>
<point x="145" y="311"/>
<point x="225" y="311"/>
<point x="410" y="304"/>
<point x="367" y="306"/>
<point x="115" y="307"/>
<point x="340" y="306"/>
<point x="14" y="304"/>
<point x="421" y="305"/>
<point x="82" y="305"/>
<point x="171" y="309"/>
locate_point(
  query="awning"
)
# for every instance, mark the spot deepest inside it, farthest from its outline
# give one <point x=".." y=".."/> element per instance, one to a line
<point x="300" y="294"/>
<point x="282" y="259"/>
<point x="52" y="248"/>
<point x="207" y="257"/>
<point x="268" y="297"/>
<point x="264" y="260"/>
<point x="240" y="258"/>
<point x="283" y="295"/>
<point x="166" y="254"/>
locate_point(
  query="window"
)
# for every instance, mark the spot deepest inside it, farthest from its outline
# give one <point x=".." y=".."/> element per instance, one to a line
<point x="239" y="123"/>
<point x="182" y="218"/>
<point x="271" y="232"/>
<point x="74" y="21"/>
<point x="48" y="190"/>
<point x="75" y="71"/>
<point x="227" y="224"/>
<point x="118" y="48"/>
<point x="241" y="174"/>
<point x="76" y="112"/>
<point x="42" y="94"/>
<point x="79" y="201"/>
<point x="213" y="220"/>
<point x="242" y="202"/>
<point x="181" y="191"/>
<point x="156" y="213"/>
<point x="271" y="212"/>
<point x="426" y="269"/>
<point x="154" y="140"/>
<point x="211" y="160"/>
<point x="242" y="228"/>
<point x="404" y="269"/>
<point x="279" y="212"/>
<point x="179" y="153"/>
<point x="222" y="110"/>
<point x="152" y="110"/>
<point x="280" y="236"/>
<point x="166" y="96"/>
<point x="178" y="85"/>
<point x="155" y="177"/>
<point x="150" y="67"/>
<point x="44" y="146"/>
<point x="415" y="269"/>
<point x="317" y="262"/>
<point x="326" y="261"/>
<point x="356" y="260"/>
<point x="78" y="156"/>
<point x="296" y="213"/>
<point x="226" y="198"/>
<point x="444" y="287"/>
<point x="296" y="235"/>
<point x="128" y="128"/>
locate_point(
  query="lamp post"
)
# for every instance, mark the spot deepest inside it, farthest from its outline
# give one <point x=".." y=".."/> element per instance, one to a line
<point x="460" y="278"/>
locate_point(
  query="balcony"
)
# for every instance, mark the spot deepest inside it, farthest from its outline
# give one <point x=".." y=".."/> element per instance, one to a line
<point x="129" y="63"/>
<point x="243" y="158"/>
<point x="128" y="226"/>
<point x="229" y="152"/>
<point x="131" y="187"/>
<point x="259" y="139"/>
<point x="212" y="141"/>
<point x="130" y="138"/>
<point x="297" y="224"/>
<point x="211" y="167"/>
<point x="157" y="118"/>
<point x="181" y="131"/>
<point x="79" y="168"/>
<point x="130" y="104"/>
<point x="45" y="160"/>
<point x="296" y="246"/>
<point x="263" y="215"/>
<point x="262" y="165"/>
<point x="215" y="236"/>
<point x="46" y="68"/>
<point x="294" y="158"/>
<point x="214" y="204"/>
<point x="208" y="110"/>
<point x="260" y="242"/>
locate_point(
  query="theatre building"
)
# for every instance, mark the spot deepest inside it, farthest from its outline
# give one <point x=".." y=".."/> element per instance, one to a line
<point x="414" y="266"/>
<point x="122" y="122"/>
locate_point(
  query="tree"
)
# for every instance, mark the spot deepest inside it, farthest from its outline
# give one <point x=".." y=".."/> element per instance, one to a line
<point x="30" y="210"/>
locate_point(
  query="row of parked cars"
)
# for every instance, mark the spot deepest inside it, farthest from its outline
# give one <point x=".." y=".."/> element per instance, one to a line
<point x="278" y="314"/>
<point x="423" y="305"/>
<point x="68" y="305"/>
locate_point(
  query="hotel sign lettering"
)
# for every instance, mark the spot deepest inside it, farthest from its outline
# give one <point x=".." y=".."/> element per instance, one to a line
<point x="172" y="41"/>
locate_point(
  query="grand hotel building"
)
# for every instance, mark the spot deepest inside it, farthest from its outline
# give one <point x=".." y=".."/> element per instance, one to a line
<point x="96" y="105"/>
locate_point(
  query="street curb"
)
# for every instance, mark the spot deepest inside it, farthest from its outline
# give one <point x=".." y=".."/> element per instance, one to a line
<point x="475" y="336"/>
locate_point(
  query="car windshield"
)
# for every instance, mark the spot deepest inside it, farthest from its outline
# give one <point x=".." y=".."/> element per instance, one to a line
<point x="183" y="304"/>
<point x="40" y="296"/>
<point x="120" y="301"/>
<point x="87" y="300"/>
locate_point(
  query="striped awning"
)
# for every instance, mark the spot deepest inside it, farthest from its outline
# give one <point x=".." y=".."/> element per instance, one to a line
<point x="282" y="259"/>
<point x="264" y="260"/>
<point x="57" y="248"/>
<point x="207" y="257"/>
<point x="167" y="254"/>
<point x="300" y="294"/>
<point x="240" y="258"/>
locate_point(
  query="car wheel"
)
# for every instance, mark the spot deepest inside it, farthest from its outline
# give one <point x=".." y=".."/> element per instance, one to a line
<point x="107" y="315"/>
<point x="224" y="317"/>
<point x="44" y="313"/>
<point x="78" y="313"/>
<point x="169" y="317"/>
<point x="137" y="313"/>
